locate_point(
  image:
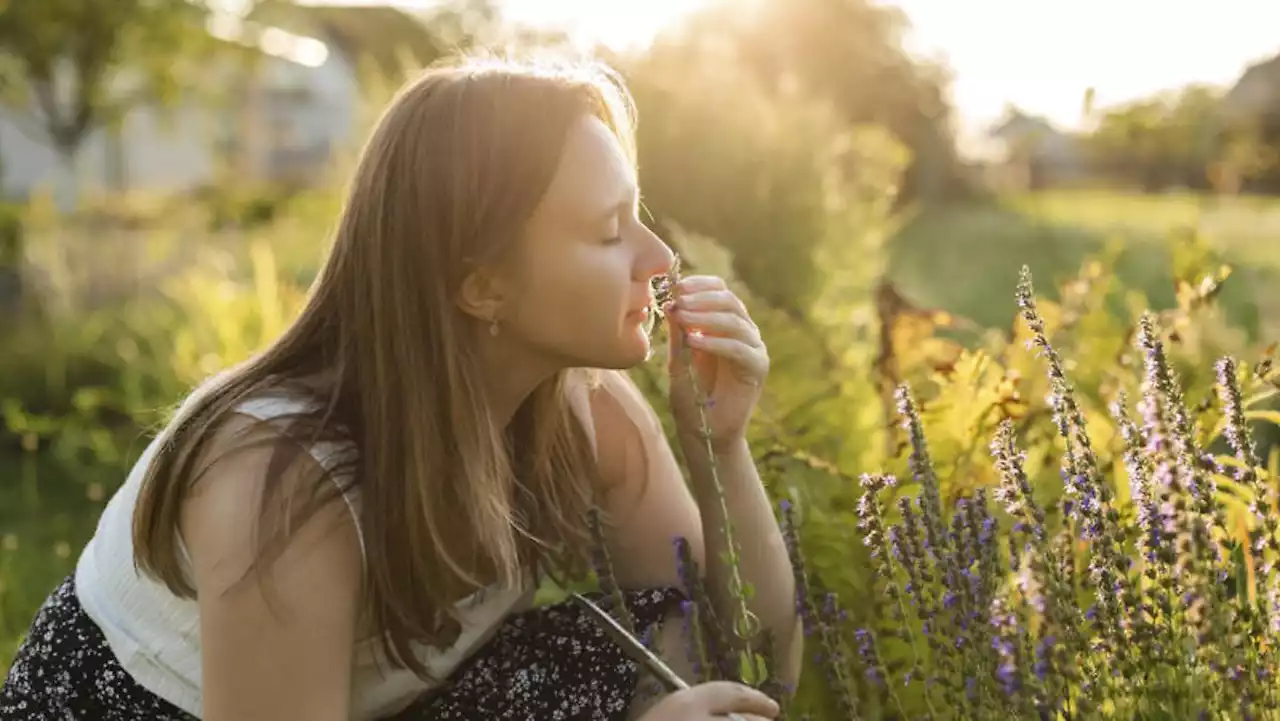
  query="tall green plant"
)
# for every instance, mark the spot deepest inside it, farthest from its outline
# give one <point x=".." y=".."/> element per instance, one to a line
<point x="1147" y="604"/>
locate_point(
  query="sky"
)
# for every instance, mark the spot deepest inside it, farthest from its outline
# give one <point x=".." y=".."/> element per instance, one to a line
<point x="1043" y="54"/>
<point x="1039" y="54"/>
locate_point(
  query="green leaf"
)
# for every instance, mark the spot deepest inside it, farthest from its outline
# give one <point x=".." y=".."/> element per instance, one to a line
<point x="1272" y="417"/>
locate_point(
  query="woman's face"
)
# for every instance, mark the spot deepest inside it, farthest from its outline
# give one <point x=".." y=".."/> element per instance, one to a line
<point x="582" y="274"/>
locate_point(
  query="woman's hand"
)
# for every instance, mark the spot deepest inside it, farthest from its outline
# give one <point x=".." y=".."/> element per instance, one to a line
<point x="711" y="330"/>
<point x="713" y="701"/>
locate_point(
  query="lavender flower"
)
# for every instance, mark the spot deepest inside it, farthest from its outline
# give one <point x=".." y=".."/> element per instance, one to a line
<point x="1262" y="537"/>
<point x="1140" y="470"/>
<point x="870" y="659"/>
<point x="705" y="649"/>
<point x="1092" y="509"/>
<point x="871" y="523"/>
<point x="604" y="571"/>
<point x="922" y="471"/>
<point x="833" y="657"/>
<point x="1187" y="502"/>
<point x="937" y="539"/>
<point x="1077" y="614"/>
<point x="744" y="623"/>
<point x="1007" y="647"/>
<point x="790" y="536"/>
<point x="1042" y="580"/>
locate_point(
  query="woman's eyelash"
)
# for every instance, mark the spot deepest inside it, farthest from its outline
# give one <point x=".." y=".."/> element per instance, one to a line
<point x="614" y="240"/>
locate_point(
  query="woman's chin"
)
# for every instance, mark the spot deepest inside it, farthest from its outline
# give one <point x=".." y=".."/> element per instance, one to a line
<point x="629" y="346"/>
<point x="633" y="348"/>
<point x="641" y="340"/>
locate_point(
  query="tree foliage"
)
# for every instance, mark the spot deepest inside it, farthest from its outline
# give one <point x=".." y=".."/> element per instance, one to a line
<point x="852" y="54"/>
<point x="748" y="137"/>
<point x="1159" y="141"/>
<point x="82" y="63"/>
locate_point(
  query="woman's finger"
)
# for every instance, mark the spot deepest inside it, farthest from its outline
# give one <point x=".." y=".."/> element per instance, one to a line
<point x="696" y="283"/>
<point x="721" y="323"/>
<point x="713" y="300"/>
<point x="748" y="357"/>
<point x="725" y="697"/>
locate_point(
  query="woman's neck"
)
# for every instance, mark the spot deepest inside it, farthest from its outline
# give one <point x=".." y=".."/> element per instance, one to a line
<point x="510" y="375"/>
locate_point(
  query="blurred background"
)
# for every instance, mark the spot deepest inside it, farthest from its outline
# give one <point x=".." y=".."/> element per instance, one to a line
<point x="871" y="175"/>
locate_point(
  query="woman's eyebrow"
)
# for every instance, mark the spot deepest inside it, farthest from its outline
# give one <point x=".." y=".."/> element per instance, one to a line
<point x="625" y="204"/>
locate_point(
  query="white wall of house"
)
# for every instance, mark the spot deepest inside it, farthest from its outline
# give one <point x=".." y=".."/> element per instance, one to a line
<point x="334" y="91"/>
<point x="302" y="113"/>
<point x="299" y="114"/>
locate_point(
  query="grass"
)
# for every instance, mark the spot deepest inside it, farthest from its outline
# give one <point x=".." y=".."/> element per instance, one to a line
<point x="963" y="258"/>
<point x="46" y="518"/>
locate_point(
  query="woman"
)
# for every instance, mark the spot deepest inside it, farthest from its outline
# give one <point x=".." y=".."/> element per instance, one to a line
<point x="350" y="525"/>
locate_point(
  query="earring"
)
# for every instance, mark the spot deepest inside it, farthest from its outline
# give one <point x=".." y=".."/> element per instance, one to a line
<point x="493" y="327"/>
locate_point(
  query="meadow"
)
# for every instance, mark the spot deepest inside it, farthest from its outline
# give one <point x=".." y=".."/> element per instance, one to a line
<point x="1024" y="448"/>
<point x="124" y="322"/>
<point x="1056" y="231"/>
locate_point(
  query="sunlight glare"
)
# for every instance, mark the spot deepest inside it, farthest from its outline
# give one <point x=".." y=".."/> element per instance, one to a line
<point x="618" y="24"/>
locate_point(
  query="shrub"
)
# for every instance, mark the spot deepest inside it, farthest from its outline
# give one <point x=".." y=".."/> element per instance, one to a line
<point x="772" y="181"/>
<point x="1148" y="600"/>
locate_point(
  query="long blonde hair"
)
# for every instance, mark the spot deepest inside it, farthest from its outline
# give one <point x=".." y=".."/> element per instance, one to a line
<point x="453" y="171"/>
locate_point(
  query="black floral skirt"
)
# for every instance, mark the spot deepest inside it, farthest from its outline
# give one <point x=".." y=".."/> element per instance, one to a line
<point x="552" y="662"/>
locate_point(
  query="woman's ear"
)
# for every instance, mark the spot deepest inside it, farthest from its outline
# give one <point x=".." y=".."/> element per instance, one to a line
<point x="482" y="294"/>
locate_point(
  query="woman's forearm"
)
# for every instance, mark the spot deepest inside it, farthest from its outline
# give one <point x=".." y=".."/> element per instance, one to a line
<point x="763" y="560"/>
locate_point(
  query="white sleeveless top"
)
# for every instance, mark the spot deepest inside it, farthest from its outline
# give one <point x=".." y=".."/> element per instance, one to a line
<point x="156" y="635"/>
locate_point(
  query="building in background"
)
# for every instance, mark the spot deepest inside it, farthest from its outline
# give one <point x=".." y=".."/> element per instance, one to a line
<point x="281" y="117"/>
<point x="1032" y="154"/>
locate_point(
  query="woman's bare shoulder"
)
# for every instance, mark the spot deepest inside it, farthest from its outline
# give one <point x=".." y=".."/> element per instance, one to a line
<point x="252" y="477"/>
<point x="277" y="639"/>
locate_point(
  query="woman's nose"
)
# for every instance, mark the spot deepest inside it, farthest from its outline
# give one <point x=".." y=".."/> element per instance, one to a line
<point x="658" y="257"/>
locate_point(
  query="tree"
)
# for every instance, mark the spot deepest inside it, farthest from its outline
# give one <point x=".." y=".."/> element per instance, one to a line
<point x="1167" y="139"/>
<point x="75" y="65"/>
<point x="1243" y="156"/>
<point x="851" y="53"/>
